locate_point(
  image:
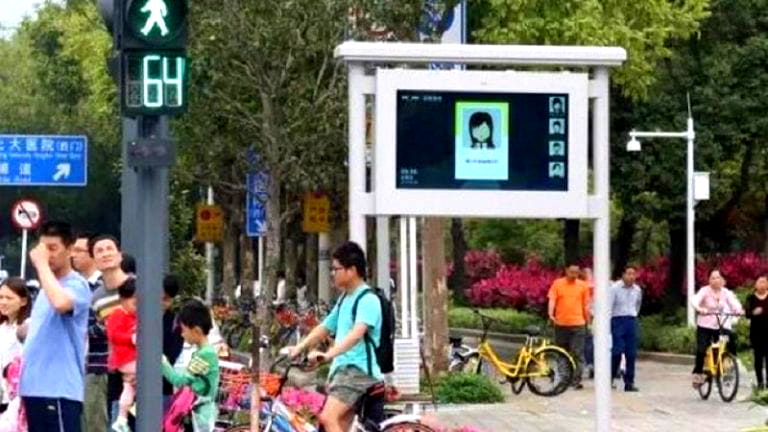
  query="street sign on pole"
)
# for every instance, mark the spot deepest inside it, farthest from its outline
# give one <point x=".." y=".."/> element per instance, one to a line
<point x="43" y="160"/>
<point x="255" y="212"/>
<point x="26" y="214"/>
<point x="209" y="223"/>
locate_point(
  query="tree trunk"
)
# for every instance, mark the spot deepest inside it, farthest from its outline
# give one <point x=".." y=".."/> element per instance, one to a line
<point x="677" y="252"/>
<point x="457" y="282"/>
<point x="228" y="254"/>
<point x="311" y="266"/>
<point x="624" y="241"/>
<point x="765" y="224"/>
<point x="435" y="295"/>
<point x="247" y="265"/>
<point x="291" y="265"/>
<point x="571" y="240"/>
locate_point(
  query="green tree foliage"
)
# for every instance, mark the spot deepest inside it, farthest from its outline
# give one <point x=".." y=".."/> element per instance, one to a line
<point x="643" y="28"/>
<point x="54" y="81"/>
<point x="723" y="69"/>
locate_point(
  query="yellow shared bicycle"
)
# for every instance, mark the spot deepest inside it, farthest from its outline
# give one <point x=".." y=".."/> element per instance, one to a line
<point x="548" y="370"/>
<point x="720" y="365"/>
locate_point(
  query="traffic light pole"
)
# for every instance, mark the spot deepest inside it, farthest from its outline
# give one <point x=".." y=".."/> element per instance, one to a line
<point x="145" y="204"/>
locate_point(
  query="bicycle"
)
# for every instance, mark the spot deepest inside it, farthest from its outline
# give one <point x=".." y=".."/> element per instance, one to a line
<point x="371" y="416"/>
<point x="537" y="364"/>
<point x="720" y="365"/>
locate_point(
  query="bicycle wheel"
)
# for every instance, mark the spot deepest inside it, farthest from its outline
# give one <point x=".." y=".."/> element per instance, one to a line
<point x="407" y="427"/>
<point x="706" y="387"/>
<point x="466" y="364"/>
<point x="517" y="385"/>
<point x="728" y="378"/>
<point x="550" y="371"/>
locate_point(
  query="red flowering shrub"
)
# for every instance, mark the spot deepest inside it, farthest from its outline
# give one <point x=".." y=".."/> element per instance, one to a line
<point x="653" y="278"/>
<point x="481" y="264"/>
<point x="514" y="286"/>
<point x="738" y="268"/>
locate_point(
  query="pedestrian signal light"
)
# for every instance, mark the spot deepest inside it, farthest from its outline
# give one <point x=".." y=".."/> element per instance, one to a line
<point x="154" y="61"/>
<point x="155" y="24"/>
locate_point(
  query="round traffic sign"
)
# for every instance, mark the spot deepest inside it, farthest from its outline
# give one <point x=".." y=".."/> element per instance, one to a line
<point x="26" y="214"/>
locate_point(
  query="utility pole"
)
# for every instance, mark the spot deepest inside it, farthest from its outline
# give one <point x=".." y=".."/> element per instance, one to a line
<point x="149" y="66"/>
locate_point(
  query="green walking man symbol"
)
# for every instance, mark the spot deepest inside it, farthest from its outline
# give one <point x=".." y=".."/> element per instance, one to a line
<point x="157" y="11"/>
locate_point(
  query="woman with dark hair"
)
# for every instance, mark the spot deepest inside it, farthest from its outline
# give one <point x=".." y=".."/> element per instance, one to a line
<point x="14" y="310"/>
<point x="481" y="130"/>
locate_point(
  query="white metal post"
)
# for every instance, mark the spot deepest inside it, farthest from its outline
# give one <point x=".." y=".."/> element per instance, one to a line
<point x="23" y="270"/>
<point x="261" y="265"/>
<point x="356" y="154"/>
<point x="404" y="285"/>
<point x="690" y="226"/>
<point x="382" y="254"/>
<point x="602" y="251"/>
<point x="209" y="258"/>
<point x="690" y="208"/>
<point x="414" y="285"/>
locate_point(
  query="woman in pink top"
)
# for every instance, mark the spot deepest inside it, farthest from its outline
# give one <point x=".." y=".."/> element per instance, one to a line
<point x="711" y="299"/>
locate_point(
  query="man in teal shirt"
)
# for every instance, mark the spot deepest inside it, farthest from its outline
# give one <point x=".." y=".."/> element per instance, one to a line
<point x="354" y="368"/>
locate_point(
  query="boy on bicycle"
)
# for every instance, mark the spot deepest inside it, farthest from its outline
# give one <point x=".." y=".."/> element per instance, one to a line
<point x="354" y="369"/>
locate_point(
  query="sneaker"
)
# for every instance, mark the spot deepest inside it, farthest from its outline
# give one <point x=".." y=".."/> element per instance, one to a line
<point x="121" y="425"/>
<point x="631" y="388"/>
<point x="578" y="386"/>
<point x="613" y="385"/>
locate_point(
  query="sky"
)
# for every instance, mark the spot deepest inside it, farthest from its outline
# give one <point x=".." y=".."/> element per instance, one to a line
<point x="12" y="11"/>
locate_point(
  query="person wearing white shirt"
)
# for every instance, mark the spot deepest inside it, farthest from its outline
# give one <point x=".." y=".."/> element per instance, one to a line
<point x="14" y="310"/>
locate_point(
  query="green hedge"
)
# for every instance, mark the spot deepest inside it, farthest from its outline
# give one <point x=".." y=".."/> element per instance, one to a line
<point x="509" y="320"/>
<point x="468" y="388"/>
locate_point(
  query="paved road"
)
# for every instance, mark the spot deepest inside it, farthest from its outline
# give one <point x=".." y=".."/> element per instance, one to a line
<point x="666" y="402"/>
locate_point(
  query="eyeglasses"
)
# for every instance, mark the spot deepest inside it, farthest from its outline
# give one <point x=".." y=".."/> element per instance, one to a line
<point x="335" y="269"/>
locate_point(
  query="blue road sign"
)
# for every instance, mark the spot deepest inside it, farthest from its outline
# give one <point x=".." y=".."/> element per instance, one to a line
<point x="255" y="212"/>
<point x="43" y="160"/>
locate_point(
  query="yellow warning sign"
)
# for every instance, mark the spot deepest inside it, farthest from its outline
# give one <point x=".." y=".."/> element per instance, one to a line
<point x="210" y="223"/>
<point x="317" y="211"/>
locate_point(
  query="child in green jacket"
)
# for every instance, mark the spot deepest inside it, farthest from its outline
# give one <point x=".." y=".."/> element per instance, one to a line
<point x="202" y="373"/>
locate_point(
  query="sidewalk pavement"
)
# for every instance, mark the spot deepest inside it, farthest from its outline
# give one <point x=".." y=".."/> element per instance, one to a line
<point x="666" y="402"/>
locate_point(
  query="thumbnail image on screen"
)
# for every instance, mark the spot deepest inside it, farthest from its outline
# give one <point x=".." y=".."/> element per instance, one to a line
<point x="498" y="141"/>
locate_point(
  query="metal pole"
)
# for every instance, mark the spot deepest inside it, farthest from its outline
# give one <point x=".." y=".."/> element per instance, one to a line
<point x="602" y="251"/>
<point x="209" y="259"/>
<point x="324" y="266"/>
<point x="689" y="231"/>
<point x="404" y="285"/>
<point x="382" y="254"/>
<point x="129" y="198"/>
<point x="261" y="264"/>
<point x="23" y="270"/>
<point x="414" y="286"/>
<point x="152" y="258"/>
<point x="356" y="154"/>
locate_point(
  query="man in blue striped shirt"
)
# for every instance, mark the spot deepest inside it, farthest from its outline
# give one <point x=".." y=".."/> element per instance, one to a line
<point x="626" y="298"/>
<point x="94" y="417"/>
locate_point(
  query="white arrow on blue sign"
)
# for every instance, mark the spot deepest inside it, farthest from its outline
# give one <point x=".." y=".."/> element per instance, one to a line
<point x="255" y="213"/>
<point x="43" y="160"/>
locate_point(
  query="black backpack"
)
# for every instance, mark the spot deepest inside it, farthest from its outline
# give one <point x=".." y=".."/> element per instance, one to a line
<point x="385" y="352"/>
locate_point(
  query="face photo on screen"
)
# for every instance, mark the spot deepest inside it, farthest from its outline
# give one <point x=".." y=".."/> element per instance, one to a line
<point x="481" y="130"/>
<point x="481" y="137"/>
<point x="556" y="106"/>
<point x="556" y="148"/>
<point x="556" y="126"/>
<point x="556" y="170"/>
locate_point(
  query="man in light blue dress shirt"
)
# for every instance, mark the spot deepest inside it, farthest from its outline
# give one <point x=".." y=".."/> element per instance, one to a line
<point x="626" y="298"/>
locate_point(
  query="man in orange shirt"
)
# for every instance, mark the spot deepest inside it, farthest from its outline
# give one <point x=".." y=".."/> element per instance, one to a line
<point x="569" y="310"/>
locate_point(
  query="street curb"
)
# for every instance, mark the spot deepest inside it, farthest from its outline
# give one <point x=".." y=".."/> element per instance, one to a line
<point x="515" y="338"/>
